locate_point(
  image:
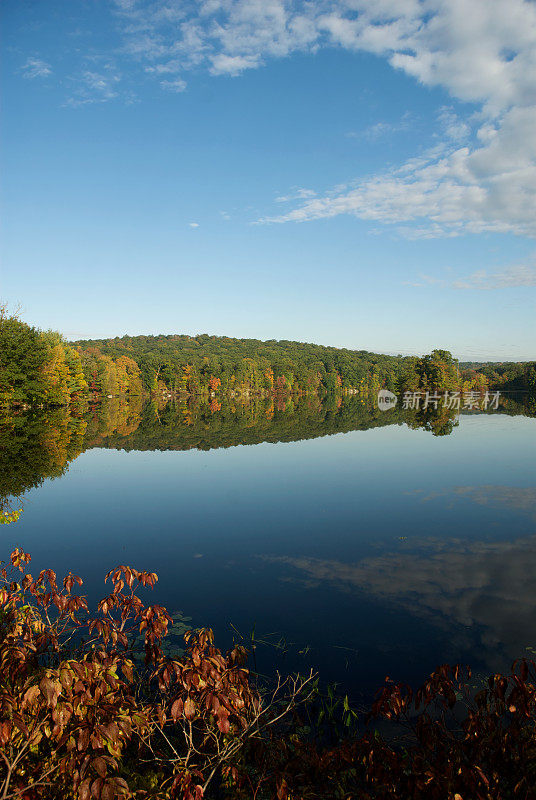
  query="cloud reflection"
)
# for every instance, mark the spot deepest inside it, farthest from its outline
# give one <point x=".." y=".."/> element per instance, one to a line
<point x="486" y="587"/>
<point x="516" y="498"/>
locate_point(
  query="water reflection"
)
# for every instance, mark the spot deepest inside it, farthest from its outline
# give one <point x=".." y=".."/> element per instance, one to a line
<point x="517" y="498"/>
<point x="487" y="586"/>
<point x="35" y="446"/>
<point x="356" y="530"/>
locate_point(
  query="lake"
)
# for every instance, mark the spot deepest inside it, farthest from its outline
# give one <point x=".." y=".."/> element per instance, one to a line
<point x="360" y="542"/>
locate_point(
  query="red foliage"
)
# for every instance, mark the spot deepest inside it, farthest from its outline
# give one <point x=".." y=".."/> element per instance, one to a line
<point x="444" y="741"/>
<point x="79" y="719"/>
<point x="74" y="711"/>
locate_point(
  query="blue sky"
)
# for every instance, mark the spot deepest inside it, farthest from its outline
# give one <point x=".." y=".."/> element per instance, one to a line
<point x="353" y="173"/>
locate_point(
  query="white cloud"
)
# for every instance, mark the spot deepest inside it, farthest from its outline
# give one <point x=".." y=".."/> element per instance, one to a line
<point x="176" y="85"/>
<point x="515" y="276"/>
<point x="454" y="127"/>
<point x="232" y="65"/>
<point x="512" y="276"/>
<point x="164" y="69"/>
<point x="94" y="87"/>
<point x="296" y="194"/>
<point x="381" y="130"/>
<point x="193" y="224"/>
<point x="451" y="191"/>
<point x="482" y="52"/>
<point x="36" y="68"/>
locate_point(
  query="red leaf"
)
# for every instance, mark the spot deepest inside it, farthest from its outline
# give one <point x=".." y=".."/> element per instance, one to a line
<point x="177" y="709"/>
<point x="223" y="725"/>
<point x="83" y="791"/>
<point x="99" y="765"/>
<point x="189" y="708"/>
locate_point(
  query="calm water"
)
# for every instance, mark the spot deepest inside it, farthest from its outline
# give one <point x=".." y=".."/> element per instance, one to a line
<point x="377" y="550"/>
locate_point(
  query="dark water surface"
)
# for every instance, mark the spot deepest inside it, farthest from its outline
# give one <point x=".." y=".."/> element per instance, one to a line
<point x="381" y="549"/>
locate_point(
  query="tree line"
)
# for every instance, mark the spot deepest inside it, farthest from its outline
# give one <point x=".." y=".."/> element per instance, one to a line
<point x="511" y="375"/>
<point x="42" y="368"/>
<point x="219" y="365"/>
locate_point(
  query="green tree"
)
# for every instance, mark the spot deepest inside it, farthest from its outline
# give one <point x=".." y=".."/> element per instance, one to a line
<point x="22" y="356"/>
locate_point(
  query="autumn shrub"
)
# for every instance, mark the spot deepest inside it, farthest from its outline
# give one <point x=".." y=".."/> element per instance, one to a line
<point x="79" y="719"/>
<point x="445" y="741"/>
<point x="82" y="718"/>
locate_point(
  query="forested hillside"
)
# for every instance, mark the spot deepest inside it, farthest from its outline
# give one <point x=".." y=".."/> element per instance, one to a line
<point x="219" y="364"/>
<point x="42" y="368"/>
<point x="505" y="375"/>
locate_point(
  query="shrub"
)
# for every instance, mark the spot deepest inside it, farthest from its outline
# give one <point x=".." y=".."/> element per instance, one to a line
<point x="79" y="719"/>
